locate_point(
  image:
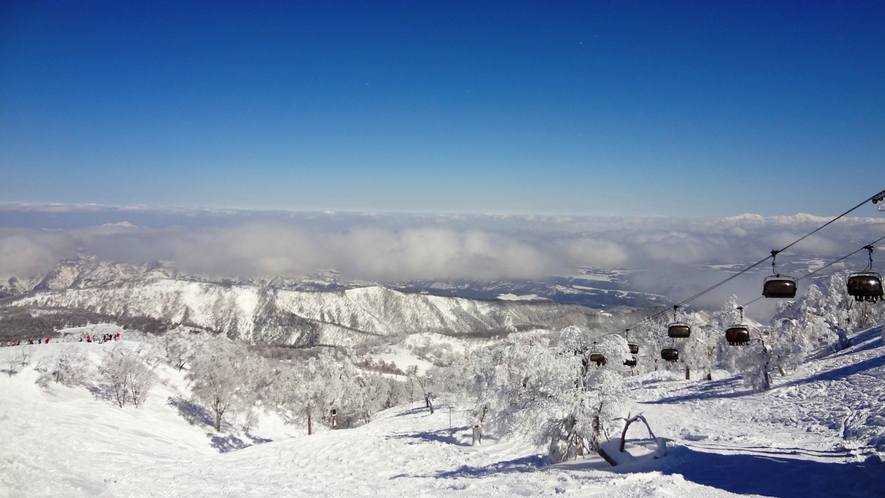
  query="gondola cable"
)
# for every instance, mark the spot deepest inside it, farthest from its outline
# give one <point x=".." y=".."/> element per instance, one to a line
<point x="827" y="265"/>
<point x="875" y="199"/>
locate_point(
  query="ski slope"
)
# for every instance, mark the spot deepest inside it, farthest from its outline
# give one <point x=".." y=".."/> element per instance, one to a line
<point x="819" y="432"/>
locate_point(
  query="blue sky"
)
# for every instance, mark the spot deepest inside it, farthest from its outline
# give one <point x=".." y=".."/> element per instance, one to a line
<point x="585" y="108"/>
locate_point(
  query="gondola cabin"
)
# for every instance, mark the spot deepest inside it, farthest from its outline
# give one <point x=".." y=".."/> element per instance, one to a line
<point x="865" y="286"/>
<point x="630" y="362"/>
<point x="737" y="335"/>
<point x="779" y="286"/>
<point x="597" y="358"/>
<point x="670" y="354"/>
<point x="634" y="348"/>
<point x="678" y="330"/>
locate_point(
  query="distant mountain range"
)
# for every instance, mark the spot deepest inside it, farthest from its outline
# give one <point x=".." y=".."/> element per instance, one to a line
<point x="316" y="310"/>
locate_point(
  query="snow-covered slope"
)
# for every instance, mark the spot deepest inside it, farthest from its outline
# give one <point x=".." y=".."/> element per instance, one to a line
<point x="818" y="432"/>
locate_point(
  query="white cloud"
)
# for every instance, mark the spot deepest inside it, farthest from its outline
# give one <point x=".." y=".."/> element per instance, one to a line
<point x="669" y="254"/>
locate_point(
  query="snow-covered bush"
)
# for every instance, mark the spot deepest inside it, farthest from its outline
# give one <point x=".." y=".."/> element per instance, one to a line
<point x="70" y="367"/>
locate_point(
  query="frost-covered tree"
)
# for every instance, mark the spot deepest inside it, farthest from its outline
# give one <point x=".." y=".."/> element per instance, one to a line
<point x="178" y="346"/>
<point x="753" y="361"/>
<point x="140" y="380"/>
<point x="809" y="323"/>
<point x="552" y="393"/>
<point x="24" y="354"/>
<point x="12" y="363"/>
<point x="216" y="380"/>
<point x="651" y="337"/>
<point x="424" y="384"/>
<point x="70" y="367"/>
<point x="397" y="394"/>
<point x="307" y="392"/>
<point x="707" y="345"/>
<point x="370" y="392"/>
<point x="113" y="374"/>
<point x="453" y="382"/>
<point x="126" y="375"/>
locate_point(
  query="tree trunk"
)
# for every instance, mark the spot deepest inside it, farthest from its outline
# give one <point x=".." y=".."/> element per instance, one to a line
<point x="429" y="403"/>
<point x="309" y="423"/>
<point x="607" y="458"/>
<point x="477" y="435"/>
<point x="687" y="372"/>
<point x="219" y="412"/>
<point x="630" y="420"/>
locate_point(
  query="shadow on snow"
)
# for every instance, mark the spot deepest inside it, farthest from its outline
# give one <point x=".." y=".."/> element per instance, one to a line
<point x="414" y="411"/>
<point x="446" y="436"/>
<point x="775" y="475"/>
<point x="841" y="372"/>
<point x="529" y="463"/>
<point x="728" y="388"/>
<point x="226" y="444"/>
<point x="725" y="388"/>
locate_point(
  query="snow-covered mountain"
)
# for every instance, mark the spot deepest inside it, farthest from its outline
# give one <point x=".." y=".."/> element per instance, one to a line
<point x="261" y="313"/>
<point x="593" y="287"/>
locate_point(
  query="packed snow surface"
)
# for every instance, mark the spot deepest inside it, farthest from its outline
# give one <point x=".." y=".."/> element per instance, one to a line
<point x="819" y="432"/>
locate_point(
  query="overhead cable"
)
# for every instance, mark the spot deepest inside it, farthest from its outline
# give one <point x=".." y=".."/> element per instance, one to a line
<point x="874" y="198"/>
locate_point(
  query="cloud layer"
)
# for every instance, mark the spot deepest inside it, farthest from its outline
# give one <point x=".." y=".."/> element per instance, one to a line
<point x="670" y="256"/>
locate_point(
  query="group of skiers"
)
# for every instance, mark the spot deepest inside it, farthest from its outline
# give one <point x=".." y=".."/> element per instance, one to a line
<point x="104" y="338"/>
<point x="83" y="337"/>
<point x="28" y="342"/>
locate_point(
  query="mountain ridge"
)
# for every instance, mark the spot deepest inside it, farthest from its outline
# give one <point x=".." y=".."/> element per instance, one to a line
<point x="263" y="313"/>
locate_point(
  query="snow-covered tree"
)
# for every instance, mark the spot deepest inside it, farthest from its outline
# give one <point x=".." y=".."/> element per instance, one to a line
<point x="754" y="360"/>
<point x="809" y="323"/>
<point x="370" y="392"/>
<point x="553" y="394"/>
<point x="216" y="379"/>
<point x="424" y="384"/>
<point x="178" y="346"/>
<point x="707" y="345"/>
<point x="112" y="371"/>
<point x="308" y="392"/>
<point x="126" y="375"/>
